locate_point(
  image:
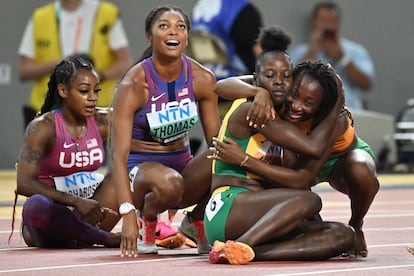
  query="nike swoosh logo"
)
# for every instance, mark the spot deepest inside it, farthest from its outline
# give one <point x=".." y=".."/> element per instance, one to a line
<point x="66" y="146"/>
<point x="156" y="98"/>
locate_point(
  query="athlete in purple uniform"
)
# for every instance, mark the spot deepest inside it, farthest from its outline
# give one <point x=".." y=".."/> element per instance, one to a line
<point x="69" y="203"/>
<point x="154" y="106"/>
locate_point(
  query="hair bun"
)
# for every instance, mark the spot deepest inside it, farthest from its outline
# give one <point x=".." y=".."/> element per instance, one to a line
<point x="273" y="38"/>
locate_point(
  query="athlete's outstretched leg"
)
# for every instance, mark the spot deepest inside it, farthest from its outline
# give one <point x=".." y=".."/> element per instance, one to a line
<point x="318" y="241"/>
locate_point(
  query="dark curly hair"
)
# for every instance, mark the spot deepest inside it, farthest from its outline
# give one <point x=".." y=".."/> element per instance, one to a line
<point x="326" y="78"/>
<point x="63" y="73"/>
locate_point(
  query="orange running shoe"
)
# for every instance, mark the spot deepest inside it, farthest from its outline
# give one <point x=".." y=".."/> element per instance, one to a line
<point x="232" y="252"/>
<point x="238" y="253"/>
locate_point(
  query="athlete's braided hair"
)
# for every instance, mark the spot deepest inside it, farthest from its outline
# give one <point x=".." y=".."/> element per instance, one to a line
<point x="63" y="73"/>
<point x="153" y="16"/>
<point x="326" y="78"/>
<point x="272" y="39"/>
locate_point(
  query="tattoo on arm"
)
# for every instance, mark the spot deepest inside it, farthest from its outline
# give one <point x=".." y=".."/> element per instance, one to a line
<point x="32" y="131"/>
<point x="31" y="156"/>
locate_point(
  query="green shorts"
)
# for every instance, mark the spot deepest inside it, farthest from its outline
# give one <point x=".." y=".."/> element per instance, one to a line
<point x="217" y="210"/>
<point x="326" y="169"/>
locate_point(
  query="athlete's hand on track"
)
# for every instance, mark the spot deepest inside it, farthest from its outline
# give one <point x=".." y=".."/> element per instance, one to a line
<point x="129" y="235"/>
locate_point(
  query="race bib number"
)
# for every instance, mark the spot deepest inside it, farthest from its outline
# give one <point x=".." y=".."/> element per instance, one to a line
<point x="213" y="206"/>
<point x="173" y="122"/>
<point x="82" y="184"/>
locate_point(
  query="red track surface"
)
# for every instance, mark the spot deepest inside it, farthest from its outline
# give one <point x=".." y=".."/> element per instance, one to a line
<point x="389" y="229"/>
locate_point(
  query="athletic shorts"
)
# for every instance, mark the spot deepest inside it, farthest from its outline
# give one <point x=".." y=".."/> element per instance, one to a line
<point x="176" y="160"/>
<point x="326" y="169"/>
<point x="217" y="211"/>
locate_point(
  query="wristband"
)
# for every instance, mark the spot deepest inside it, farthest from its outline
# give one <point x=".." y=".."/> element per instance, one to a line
<point x="344" y="61"/>
<point x="242" y="163"/>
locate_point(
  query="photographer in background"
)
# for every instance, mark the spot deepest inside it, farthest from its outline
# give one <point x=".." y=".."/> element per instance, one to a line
<point x="350" y="59"/>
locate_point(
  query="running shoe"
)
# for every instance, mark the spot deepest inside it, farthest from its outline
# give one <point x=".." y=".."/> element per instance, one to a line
<point x="195" y="232"/>
<point x="216" y="255"/>
<point x="146" y="237"/>
<point x="235" y="253"/>
<point x="167" y="237"/>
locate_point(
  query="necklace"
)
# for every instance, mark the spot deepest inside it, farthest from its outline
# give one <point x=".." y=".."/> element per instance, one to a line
<point x="74" y="135"/>
<point x="81" y="134"/>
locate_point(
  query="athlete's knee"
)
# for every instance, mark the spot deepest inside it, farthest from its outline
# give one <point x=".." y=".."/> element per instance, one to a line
<point x="172" y="187"/>
<point x="37" y="210"/>
<point x="164" y="184"/>
<point x="312" y="202"/>
<point x="343" y="235"/>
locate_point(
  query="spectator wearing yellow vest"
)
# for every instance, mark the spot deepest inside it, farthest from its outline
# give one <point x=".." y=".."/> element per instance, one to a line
<point x="68" y="27"/>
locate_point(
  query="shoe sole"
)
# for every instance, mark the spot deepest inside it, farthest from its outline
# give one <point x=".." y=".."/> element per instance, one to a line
<point x="238" y="253"/>
<point x="171" y="242"/>
<point x="190" y="243"/>
<point x="147" y="250"/>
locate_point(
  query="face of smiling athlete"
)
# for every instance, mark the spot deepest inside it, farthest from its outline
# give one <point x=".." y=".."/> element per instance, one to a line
<point x="304" y="100"/>
<point x="169" y="34"/>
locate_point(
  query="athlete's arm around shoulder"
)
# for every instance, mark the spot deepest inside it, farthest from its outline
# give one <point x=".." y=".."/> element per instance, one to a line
<point x="203" y="83"/>
<point x="39" y="139"/>
<point x="232" y="88"/>
<point x="131" y="94"/>
<point x="279" y="132"/>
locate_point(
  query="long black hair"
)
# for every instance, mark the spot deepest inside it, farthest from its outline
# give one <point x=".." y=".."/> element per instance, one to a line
<point x="63" y="73"/>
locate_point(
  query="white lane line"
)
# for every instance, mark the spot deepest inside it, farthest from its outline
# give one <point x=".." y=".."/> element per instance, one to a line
<point x="95" y="264"/>
<point x="369" y="246"/>
<point x="319" y="272"/>
<point x="371" y="216"/>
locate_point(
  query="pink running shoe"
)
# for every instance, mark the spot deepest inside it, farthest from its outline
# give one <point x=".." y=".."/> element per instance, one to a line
<point x="167" y="237"/>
